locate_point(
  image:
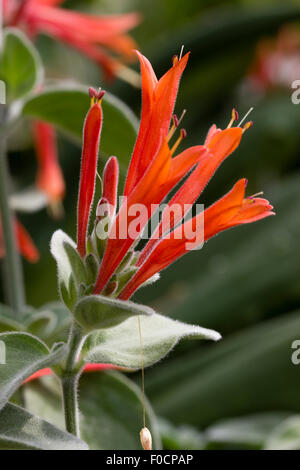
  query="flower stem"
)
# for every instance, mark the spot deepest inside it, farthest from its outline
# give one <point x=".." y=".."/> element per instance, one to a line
<point x="69" y="387"/>
<point x="12" y="263"/>
<point x="70" y="378"/>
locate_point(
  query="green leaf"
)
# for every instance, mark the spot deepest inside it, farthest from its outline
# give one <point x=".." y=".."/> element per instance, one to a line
<point x="248" y="432"/>
<point x="20" y="64"/>
<point x="111" y="412"/>
<point x="77" y="265"/>
<point x="66" y="108"/>
<point x="286" y="436"/>
<point x="24" y="355"/>
<point x="68" y="293"/>
<point x="70" y="267"/>
<point x="19" y="429"/>
<point x="96" y="311"/>
<point x="121" y="345"/>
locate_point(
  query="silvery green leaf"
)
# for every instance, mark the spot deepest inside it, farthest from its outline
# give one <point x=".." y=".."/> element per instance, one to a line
<point x="121" y="345"/>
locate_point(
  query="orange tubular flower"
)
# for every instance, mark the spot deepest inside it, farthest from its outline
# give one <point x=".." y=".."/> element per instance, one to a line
<point x="154" y="172"/>
<point x="231" y="210"/>
<point x="24" y="241"/>
<point x="95" y="36"/>
<point x="91" y="138"/>
<point x="49" y="178"/>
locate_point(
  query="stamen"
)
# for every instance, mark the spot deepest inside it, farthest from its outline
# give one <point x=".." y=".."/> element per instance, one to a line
<point x="182" y="116"/>
<point x="234" y="117"/>
<point x="251" y="199"/>
<point x="93" y="95"/>
<point x="183" y="135"/>
<point x="175" y="121"/>
<point x="246" y="115"/>
<point x="101" y="93"/>
<point x="173" y="128"/>
<point x="257" y="194"/>
<point x="247" y="126"/>
<point x="96" y="96"/>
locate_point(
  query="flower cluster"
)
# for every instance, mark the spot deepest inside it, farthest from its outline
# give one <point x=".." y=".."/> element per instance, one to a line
<point x="119" y="268"/>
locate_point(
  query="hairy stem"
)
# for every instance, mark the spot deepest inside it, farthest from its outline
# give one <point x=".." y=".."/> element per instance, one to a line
<point x="70" y="378"/>
<point x="14" y="285"/>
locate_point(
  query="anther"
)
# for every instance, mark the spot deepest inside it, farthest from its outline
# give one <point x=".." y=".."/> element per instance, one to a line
<point x="175" y="59"/>
<point x="247" y="126"/>
<point x="175" y="120"/>
<point x="183" y="133"/>
<point x="234" y="117"/>
<point x="101" y="93"/>
<point x="96" y="96"/>
<point x="93" y="93"/>
<point x="173" y="128"/>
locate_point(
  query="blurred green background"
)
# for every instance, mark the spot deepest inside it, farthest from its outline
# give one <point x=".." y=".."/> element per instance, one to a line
<point x="243" y="392"/>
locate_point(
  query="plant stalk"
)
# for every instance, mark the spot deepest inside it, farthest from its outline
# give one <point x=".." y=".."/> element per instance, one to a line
<point x="70" y="378"/>
<point x="12" y="263"/>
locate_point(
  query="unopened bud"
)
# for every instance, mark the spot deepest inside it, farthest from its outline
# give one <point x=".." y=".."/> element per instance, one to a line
<point x="111" y="288"/>
<point x="146" y="439"/>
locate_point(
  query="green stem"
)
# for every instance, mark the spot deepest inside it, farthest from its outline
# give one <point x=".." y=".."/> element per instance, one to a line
<point x="12" y="262"/>
<point x="70" y="378"/>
